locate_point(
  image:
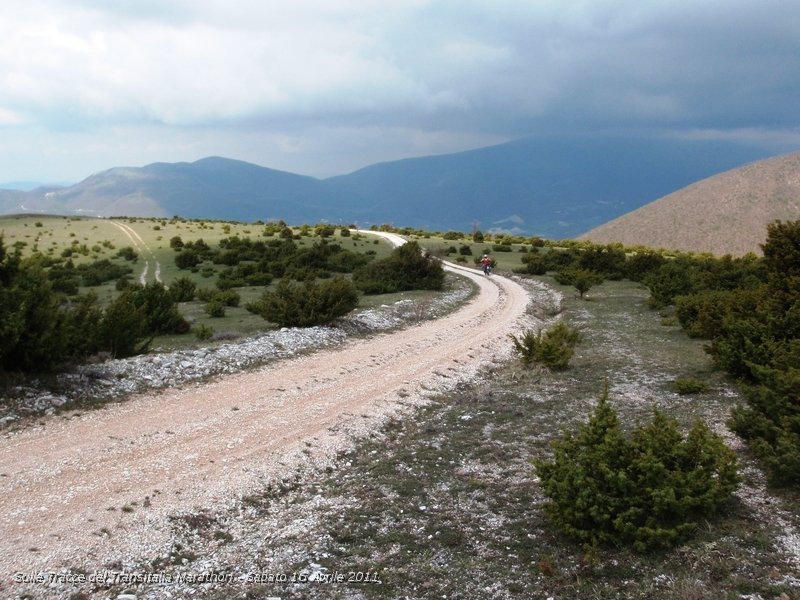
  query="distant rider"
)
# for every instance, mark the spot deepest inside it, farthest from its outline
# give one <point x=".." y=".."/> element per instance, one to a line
<point x="486" y="263"/>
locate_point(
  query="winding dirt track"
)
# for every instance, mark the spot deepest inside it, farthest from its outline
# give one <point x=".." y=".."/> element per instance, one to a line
<point x="99" y="486"/>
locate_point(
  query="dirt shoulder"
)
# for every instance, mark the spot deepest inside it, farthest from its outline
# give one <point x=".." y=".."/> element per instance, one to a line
<point x="96" y="489"/>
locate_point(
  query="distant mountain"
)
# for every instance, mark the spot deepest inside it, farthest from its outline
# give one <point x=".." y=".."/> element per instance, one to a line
<point x="724" y="214"/>
<point x="552" y="186"/>
<point x="557" y="186"/>
<point x="214" y="188"/>
<point x="27" y="186"/>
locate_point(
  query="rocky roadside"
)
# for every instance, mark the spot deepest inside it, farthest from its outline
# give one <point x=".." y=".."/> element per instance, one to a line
<point x="93" y="384"/>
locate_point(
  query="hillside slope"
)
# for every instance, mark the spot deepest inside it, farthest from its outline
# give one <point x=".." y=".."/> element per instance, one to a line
<point x="724" y="214"/>
<point x="553" y="186"/>
<point x="214" y="188"/>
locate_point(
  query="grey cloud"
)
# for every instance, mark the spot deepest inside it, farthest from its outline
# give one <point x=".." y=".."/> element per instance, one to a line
<point x="396" y="77"/>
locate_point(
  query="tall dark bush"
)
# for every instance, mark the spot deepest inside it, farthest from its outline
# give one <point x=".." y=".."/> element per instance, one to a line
<point x="158" y="308"/>
<point x="406" y="268"/>
<point x="670" y="280"/>
<point x="651" y="489"/>
<point x="306" y="304"/>
<point x="123" y="329"/>
<point x="182" y="289"/>
<point x="760" y="342"/>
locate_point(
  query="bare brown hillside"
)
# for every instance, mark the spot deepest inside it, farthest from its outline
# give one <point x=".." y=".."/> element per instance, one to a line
<point x="724" y="214"/>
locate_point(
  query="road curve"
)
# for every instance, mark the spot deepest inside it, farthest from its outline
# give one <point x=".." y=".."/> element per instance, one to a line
<point x="98" y="487"/>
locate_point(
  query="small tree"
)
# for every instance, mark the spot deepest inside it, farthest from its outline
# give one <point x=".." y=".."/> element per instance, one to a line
<point x="581" y="279"/>
<point x="123" y="330"/>
<point x="183" y="289"/>
<point x="650" y="490"/>
<point x="553" y="348"/>
<point x="158" y="308"/>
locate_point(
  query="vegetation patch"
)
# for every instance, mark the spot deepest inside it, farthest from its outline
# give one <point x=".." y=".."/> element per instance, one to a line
<point x="449" y="504"/>
<point x="552" y="347"/>
<point x="306" y="304"/>
<point x="650" y="490"/>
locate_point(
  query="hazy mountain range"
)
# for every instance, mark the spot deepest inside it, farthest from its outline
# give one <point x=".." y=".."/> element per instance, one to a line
<point x="557" y="187"/>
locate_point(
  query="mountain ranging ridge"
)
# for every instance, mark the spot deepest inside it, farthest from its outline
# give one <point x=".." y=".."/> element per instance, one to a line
<point x="553" y="186"/>
<point x="727" y="213"/>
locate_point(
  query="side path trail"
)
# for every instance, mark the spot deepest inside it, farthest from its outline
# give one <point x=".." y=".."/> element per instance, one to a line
<point x="141" y="246"/>
<point x="98" y="488"/>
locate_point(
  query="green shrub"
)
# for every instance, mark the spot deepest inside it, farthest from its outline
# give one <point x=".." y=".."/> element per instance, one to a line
<point x="581" y="279"/>
<point x="406" y="268"/>
<point x="640" y="264"/>
<point x="689" y="385"/>
<point x="671" y="279"/>
<point x="534" y="262"/>
<point x="608" y="262"/>
<point x="770" y="423"/>
<point x="553" y="348"/>
<point x="123" y="329"/>
<point x="183" y="289"/>
<point x="650" y="490"/>
<point x="158" y="307"/>
<point x="306" y="304"/>
<point x="225" y="297"/>
<point x="215" y="309"/>
<point x="203" y="333"/>
<point x="128" y="253"/>
<point x="186" y="259"/>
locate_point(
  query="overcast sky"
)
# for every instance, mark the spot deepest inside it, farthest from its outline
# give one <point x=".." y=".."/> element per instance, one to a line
<point x="323" y="87"/>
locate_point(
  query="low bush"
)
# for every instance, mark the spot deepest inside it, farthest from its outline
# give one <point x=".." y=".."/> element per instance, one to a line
<point x="552" y="348"/>
<point x="581" y="279"/>
<point x="689" y="385"/>
<point x="651" y="489"/>
<point x="183" y="289"/>
<point x="225" y="297"/>
<point x="306" y="304"/>
<point x="203" y="333"/>
<point x="215" y="309"/>
<point x="407" y="268"/>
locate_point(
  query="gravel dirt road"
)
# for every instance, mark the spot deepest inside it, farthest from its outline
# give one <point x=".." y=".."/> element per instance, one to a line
<point x="84" y="491"/>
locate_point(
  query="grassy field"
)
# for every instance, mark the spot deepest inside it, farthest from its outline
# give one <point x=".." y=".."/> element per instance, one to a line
<point x="445" y="504"/>
<point x="506" y="261"/>
<point x="92" y="239"/>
